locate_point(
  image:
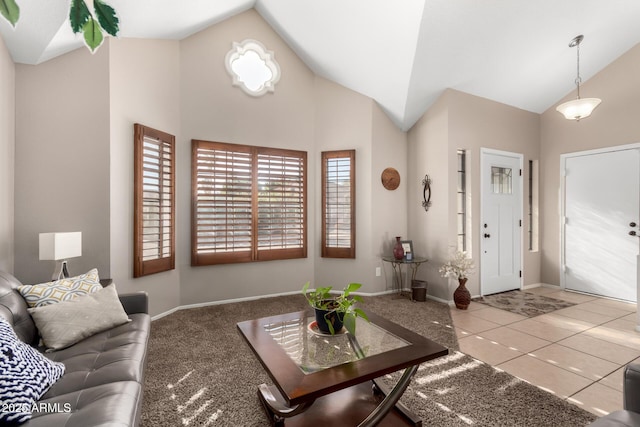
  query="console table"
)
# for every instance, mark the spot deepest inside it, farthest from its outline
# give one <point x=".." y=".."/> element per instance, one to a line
<point x="397" y="264"/>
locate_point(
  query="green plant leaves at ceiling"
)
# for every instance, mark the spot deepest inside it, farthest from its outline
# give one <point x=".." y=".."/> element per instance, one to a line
<point x="92" y="34"/>
<point x="79" y="15"/>
<point x="10" y="10"/>
<point x="82" y="20"/>
<point x="107" y="17"/>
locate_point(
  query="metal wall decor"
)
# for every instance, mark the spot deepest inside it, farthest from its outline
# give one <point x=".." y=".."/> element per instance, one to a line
<point x="426" y="192"/>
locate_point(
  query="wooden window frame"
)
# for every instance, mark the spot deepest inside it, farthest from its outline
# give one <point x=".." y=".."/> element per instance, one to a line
<point x="142" y="135"/>
<point x="253" y="251"/>
<point x="328" y="251"/>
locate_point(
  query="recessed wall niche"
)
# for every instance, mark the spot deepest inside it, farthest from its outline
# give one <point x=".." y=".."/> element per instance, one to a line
<point x="252" y="67"/>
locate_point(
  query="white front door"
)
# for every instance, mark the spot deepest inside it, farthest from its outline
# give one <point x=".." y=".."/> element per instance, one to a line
<point x="500" y="228"/>
<point x="601" y="208"/>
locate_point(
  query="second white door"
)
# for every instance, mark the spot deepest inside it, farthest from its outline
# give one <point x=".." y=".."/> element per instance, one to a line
<point x="602" y="214"/>
<point x="500" y="229"/>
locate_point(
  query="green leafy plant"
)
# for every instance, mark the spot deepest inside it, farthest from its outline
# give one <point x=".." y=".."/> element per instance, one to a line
<point x="10" y="10"/>
<point x="343" y="304"/>
<point x="91" y="25"/>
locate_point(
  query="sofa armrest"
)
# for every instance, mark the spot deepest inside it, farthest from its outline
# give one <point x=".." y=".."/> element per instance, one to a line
<point x="632" y="387"/>
<point x="137" y="302"/>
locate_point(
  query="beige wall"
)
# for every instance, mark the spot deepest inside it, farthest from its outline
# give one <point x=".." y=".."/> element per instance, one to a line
<point x="144" y="81"/>
<point x="7" y="150"/>
<point x="428" y="154"/>
<point x="463" y="121"/>
<point x="84" y="144"/>
<point x="212" y="109"/>
<point x="615" y="122"/>
<point x="388" y="209"/>
<point x="62" y="160"/>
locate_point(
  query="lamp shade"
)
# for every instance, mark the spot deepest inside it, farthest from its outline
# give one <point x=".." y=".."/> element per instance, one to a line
<point x="57" y="246"/>
<point x="578" y="108"/>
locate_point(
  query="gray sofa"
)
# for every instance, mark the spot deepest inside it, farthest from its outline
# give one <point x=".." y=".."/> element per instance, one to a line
<point x="630" y="415"/>
<point x="104" y="374"/>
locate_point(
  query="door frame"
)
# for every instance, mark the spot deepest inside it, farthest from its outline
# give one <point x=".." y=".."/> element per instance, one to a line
<point x="483" y="178"/>
<point x="563" y="203"/>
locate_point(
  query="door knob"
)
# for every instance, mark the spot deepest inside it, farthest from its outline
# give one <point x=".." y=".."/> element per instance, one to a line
<point x="486" y="236"/>
<point x="631" y="233"/>
<point x="632" y="224"/>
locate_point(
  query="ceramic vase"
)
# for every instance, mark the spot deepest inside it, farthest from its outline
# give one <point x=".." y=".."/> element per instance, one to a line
<point x="398" y="251"/>
<point x="462" y="296"/>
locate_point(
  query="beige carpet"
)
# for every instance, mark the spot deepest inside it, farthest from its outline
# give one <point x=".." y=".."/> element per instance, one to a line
<point x="201" y="372"/>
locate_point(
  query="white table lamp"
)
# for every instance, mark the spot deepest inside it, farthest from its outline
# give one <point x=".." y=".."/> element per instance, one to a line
<point x="59" y="247"/>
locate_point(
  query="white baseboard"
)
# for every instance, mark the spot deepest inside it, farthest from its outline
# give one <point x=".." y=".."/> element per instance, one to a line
<point x="252" y="298"/>
<point x="226" y="301"/>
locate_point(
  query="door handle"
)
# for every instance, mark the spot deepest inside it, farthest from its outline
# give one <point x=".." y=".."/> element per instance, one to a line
<point x="486" y="236"/>
<point x="632" y="224"/>
<point x="632" y="233"/>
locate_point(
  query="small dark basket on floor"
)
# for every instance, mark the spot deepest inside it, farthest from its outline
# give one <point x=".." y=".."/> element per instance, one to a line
<point x="419" y="290"/>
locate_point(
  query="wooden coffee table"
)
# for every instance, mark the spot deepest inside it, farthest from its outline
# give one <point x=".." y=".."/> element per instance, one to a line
<point x="330" y="380"/>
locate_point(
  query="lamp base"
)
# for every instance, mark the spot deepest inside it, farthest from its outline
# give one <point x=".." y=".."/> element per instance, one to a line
<point x="61" y="271"/>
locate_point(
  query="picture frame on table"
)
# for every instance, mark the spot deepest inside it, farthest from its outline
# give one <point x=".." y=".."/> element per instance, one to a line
<point x="407" y="246"/>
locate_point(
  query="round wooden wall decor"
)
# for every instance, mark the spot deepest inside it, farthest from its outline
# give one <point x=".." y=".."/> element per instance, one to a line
<point x="390" y="178"/>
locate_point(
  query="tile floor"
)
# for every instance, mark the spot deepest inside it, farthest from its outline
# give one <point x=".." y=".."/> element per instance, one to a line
<point x="577" y="353"/>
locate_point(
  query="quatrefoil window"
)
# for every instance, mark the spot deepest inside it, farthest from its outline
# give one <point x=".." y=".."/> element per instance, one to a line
<point x="252" y="67"/>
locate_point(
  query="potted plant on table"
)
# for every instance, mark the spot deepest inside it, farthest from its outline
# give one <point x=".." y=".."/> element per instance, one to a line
<point x="459" y="268"/>
<point x="333" y="311"/>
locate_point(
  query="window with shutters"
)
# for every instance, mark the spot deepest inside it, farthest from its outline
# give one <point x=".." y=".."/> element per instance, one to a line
<point x="249" y="203"/>
<point x="339" y="204"/>
<point x="154" y="200"/>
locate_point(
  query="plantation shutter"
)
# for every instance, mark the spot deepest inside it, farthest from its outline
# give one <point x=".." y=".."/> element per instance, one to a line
<point x="222" y="203"/>
<point x="154" y="212"/>
<point x="281" y="204"/>
<point x="338" y="204"/>
<point x="249" y="203"/>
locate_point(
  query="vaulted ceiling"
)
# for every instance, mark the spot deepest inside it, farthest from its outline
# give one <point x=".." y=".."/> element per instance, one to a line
<point x="403" y="54"/>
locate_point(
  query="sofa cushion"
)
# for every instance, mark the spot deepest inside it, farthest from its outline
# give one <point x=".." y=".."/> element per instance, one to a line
<point x="25" y="375"/>
<point x="618" y="419"/>
<point x="61" y="290"/>
<point x="114" y="404"/>
<point x="118" y="354"/>
<point x="13" y="308"/>
<point x="69" y="322"/>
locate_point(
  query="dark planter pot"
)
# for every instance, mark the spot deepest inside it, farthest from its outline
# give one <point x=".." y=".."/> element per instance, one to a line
<point x="324" y="317"/>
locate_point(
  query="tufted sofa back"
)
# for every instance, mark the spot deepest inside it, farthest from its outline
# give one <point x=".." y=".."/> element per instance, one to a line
<point x="13" y="308"/>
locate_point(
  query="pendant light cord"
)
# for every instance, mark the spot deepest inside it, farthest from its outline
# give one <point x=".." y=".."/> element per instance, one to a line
<point x="578" y="79"/>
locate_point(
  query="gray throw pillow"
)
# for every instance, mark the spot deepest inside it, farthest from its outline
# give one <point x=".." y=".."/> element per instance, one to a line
<point x="65" y="323"/>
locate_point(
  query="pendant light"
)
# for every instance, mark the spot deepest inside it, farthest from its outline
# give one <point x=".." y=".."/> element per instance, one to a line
<point x="579" y="108"/>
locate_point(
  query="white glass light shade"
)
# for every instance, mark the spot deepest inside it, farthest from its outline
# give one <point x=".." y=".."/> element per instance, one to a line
<point x="57" y="246"/>
<point x="578" y="108"/>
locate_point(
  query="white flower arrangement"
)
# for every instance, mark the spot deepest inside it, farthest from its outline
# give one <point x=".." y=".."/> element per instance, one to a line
<point x="458" y="267"/>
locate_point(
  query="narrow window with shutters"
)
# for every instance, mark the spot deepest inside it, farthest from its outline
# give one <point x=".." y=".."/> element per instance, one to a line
<point x="249" y="203"/>
<point x="154" y="201"/>
<point x="339" y="204"/>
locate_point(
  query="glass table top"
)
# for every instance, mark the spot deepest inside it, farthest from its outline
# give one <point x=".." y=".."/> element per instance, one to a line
<point x="313" y="351"/>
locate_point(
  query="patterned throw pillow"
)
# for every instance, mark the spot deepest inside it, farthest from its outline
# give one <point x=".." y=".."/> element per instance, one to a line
<point x="68" y="322"/>
<point x="61" y="290"/>
<point x="25" y="375"/>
